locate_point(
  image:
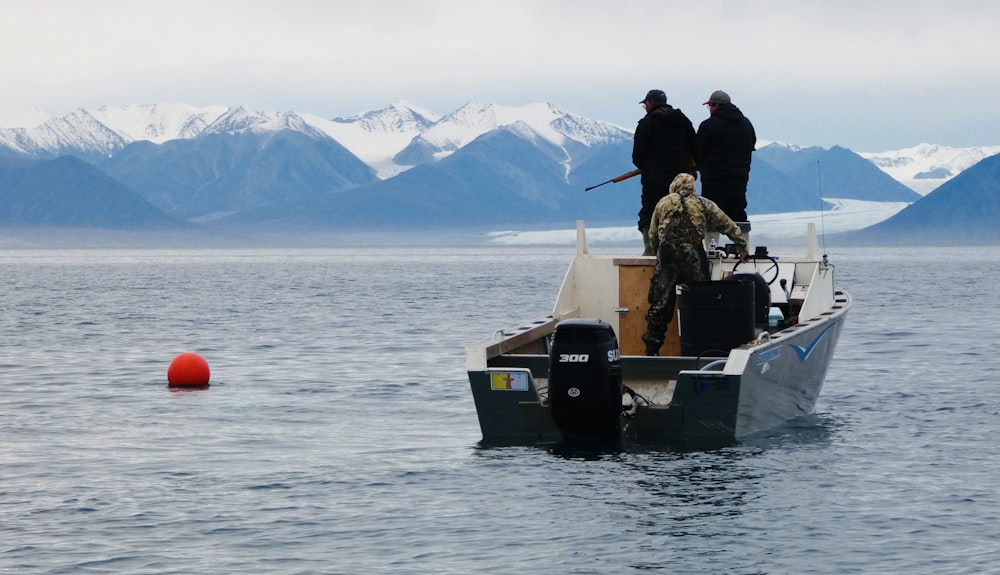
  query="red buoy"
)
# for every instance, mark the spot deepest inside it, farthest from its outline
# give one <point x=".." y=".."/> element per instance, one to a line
<point x="188" y="370"/>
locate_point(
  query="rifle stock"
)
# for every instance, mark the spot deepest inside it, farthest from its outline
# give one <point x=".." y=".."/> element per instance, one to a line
<point x="631" y="174"/>
<point x="620" y="178"/>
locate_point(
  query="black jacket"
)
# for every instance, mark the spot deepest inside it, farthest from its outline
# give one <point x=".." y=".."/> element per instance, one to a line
<point x="725" y="142"/>
<point x="664" y="146"/>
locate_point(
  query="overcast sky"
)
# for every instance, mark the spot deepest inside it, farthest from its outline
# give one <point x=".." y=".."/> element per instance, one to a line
<point x="870" y="75"/>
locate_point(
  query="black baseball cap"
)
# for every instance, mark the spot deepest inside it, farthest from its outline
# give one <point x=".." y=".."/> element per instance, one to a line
<point x="656" y="96"/>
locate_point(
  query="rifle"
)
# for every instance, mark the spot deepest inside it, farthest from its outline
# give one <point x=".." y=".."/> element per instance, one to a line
<point x="620" y="178"/>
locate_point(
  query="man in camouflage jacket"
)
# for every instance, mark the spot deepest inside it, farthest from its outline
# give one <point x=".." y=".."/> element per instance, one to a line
<point x="676" y="231"/>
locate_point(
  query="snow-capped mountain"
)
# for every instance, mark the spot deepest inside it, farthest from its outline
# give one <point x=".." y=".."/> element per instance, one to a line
<point x="240" y="119"/>
<point x="376" y="136"/>
<point x="924" y="167"/>
<point x="391" y="140"/>
<point x="397" y="137"/>
<point x="472" y="120"/>
<point x="79" y="130"/>
<point x="481" y="165"/>
<point x="158" y="123"/>
<point x="109" y="128"/>
<point x="964" y="210"/>
<point x="400" y="136"/>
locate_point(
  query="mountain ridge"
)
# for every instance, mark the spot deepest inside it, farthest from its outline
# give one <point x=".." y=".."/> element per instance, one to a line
<point x="965" y="210"/>
<point x="378" y="135"/>
<point x="402" y="166"/>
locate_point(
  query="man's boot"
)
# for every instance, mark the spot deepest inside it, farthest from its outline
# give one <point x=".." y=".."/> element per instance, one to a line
<point x="652" y="346"/>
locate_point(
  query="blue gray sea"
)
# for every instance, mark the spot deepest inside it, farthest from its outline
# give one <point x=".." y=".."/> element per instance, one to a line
<point x="339" y="436"/>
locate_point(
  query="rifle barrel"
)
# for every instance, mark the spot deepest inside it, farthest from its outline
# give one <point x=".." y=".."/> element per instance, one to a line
<point x="620" y="178"/>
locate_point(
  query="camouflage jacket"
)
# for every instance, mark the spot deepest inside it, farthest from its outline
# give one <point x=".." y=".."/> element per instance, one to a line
<point x="683" y="217"/>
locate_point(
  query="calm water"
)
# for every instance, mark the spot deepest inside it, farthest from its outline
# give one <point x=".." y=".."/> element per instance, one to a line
<point x="339" y="435"/>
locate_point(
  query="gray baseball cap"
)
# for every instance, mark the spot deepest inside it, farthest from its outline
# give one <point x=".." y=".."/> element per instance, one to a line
<point x="718" y="97"/>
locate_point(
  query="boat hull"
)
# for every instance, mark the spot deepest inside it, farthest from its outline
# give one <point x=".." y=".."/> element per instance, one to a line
<point x="759" y="384"/>
<point x="781" y="379"/>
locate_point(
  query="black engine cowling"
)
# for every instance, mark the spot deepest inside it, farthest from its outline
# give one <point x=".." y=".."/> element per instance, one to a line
<point x="585" y="383"/>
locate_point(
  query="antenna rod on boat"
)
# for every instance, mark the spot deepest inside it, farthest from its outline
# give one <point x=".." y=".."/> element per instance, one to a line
<point x="620" y="178"/>
<point x="822" y="223"/>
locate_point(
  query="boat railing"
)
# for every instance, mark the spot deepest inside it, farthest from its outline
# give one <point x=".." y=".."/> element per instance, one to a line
<point x="713" y="365"/>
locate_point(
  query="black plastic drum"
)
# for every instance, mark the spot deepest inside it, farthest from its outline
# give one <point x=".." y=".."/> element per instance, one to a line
<point x="715" y="316"/>
<point x="761" y="295"/>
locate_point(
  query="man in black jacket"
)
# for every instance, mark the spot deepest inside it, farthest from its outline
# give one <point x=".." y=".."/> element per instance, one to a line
<point x="664" y="146"/>
<point x="725" y="142"/>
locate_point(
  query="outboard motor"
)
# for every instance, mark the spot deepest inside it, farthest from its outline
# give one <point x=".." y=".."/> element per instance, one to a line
<point x="585" y="382"/>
